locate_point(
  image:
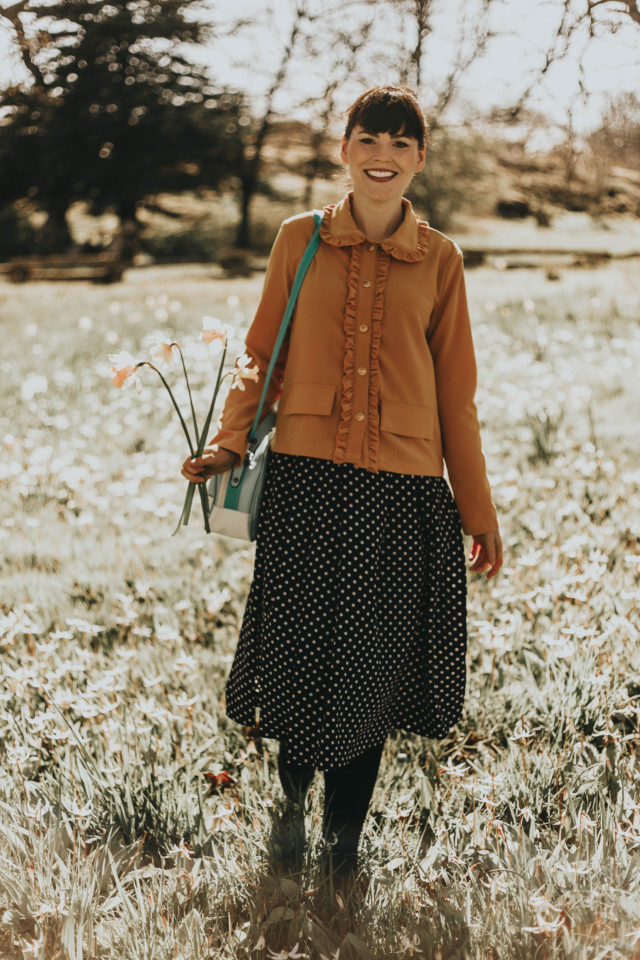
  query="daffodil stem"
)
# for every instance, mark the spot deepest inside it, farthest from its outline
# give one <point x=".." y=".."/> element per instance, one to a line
<point x="205" y="429"/>
<point x="200" y="437"/>
<point x="147" y="363"/>
<point x="204" y="500"/>
<point x="202" y="486"/>
<point x="186" y="510"/>
<point x="193" y="412"/>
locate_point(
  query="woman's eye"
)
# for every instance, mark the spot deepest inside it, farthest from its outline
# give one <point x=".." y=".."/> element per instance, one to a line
<point x="399" y="143"/>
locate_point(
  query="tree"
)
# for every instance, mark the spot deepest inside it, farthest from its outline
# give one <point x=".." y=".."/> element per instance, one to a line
<point x="591" y="11"/>
<point x="578" y="23"/>
<point x="619" y="131"/>
<point x="457" y="173"/>
<point x="315" y="38"/>
<point x="340" y="47"/>
<point x="474" y="35"/>
<point x="345" y="47"/>
<point x="613" y="146"/>
<point x="256" y="129"/>
<point x="12" y="15"/>
<point x="116" y="112"/>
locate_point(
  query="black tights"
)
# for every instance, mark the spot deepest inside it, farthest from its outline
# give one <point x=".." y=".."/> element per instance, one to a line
<point x="347" y="792"/>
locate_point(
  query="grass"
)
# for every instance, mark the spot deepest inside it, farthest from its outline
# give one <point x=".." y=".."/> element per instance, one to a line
<point x="516" y="837"/>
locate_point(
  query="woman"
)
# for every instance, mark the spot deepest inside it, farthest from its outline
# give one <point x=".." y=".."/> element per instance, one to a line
<point x="355" y="622"/>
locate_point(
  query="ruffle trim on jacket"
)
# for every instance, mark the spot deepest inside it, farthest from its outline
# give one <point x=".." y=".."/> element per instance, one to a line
<point x="346" y="410"/>
<point x="410" y="242"/>
<point x="326" y="233"/>
<point x="373" y="439"/>
<point x="404" y="253"/>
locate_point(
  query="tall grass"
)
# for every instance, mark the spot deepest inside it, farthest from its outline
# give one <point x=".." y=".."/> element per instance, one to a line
<point x="518" y="836"/>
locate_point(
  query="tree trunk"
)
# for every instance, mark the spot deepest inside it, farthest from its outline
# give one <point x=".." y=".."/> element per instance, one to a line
<point x="55" y="236"/>
<point x="127" y="207"/>
<point x="243" y="235"/>
<point x="126" y="243"/>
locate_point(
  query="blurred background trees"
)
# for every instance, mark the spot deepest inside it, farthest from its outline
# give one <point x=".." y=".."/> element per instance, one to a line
<point x="116" y="112"/>
<point x="123" y="107"/>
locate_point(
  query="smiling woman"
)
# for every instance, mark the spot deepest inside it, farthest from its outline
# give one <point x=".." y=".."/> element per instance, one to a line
<point x="383" y="144"/>
<point x="355" y="620"/>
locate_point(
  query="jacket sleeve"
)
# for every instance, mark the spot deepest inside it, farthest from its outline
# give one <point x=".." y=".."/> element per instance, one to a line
<point x="451" y="344"/>
<point x="240" y="406"/>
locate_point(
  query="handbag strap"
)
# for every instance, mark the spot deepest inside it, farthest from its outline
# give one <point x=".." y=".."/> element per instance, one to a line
<point x="303" y="266"/>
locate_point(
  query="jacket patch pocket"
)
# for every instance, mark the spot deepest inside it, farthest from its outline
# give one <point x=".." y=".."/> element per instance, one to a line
<point x="314" y="398"/>
<point x="407" y="419"/>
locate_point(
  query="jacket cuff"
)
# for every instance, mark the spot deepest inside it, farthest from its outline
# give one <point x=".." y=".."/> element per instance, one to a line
<point x="477" y="514"/>
<point x="234" y="440"/>
<point x="476" y="529"/>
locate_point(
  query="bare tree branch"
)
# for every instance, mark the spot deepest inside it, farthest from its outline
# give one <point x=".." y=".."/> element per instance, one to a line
<point x="578" y="23"/>
<point x="253" y="153"/>
<point x="423" y="10"/>
<point x="559" y="49"/>
<point x="462" y="64"/>
<point x="630" y="8"/>
<point x="12" y="14"/>
<point x="346" y="61"/>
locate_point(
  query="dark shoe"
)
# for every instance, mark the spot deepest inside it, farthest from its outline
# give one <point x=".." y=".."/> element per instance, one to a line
<point x="287" y="840"/>
<point x="342" y="872"/>
<point x="337" y="860"/>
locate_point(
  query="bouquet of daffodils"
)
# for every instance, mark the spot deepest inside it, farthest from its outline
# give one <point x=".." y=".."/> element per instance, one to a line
<point x="125" y="369"/>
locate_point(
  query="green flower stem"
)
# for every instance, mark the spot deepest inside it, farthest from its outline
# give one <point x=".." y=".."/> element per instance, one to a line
<point x="147" y="363"/>
<point x="186" y="510"/>
<point x="203" y="489"/>
<point x="207" y="422"/>
<point x="193" y="412"/>
<point x="204" y="500"/>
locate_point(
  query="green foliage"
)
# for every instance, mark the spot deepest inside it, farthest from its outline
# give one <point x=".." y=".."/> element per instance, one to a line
<point x="618" y="136"/>
<point x="191" y="245"/>
<point x="458" y="171"/>
<point x="121" y="114"/>
<point x="16" y="234"/>
<point x="544" y="430"/>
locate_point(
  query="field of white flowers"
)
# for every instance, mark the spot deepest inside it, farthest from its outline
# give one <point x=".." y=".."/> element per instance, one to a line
<point x="135" y="817"/>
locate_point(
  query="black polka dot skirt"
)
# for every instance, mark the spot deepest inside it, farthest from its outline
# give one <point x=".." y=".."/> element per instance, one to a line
<point x="355" y="622"/>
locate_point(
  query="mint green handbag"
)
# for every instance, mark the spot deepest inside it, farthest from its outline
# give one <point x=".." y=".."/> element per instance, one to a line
<point x="236" y="494"/>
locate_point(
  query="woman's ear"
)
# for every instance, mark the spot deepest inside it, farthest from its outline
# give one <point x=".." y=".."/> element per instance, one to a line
<point x="421" y="158"/>
<point x="343" y="150"/>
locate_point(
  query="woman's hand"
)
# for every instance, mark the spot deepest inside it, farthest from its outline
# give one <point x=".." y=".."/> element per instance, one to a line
<point x="486" y="553"/>
<point x="213" y="460"/>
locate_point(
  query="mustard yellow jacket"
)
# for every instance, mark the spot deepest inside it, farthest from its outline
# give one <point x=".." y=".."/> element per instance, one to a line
<point x="378" y="366"/>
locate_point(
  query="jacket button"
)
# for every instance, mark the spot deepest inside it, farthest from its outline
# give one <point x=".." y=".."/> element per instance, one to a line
<point x="366" y="283"/>
<point x="362" y="371"/>
<point x="359" y="415"/>
<point x="363" y="327"/>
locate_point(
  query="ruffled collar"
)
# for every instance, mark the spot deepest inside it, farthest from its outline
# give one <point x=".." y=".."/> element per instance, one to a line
<point x="409" y="242"/>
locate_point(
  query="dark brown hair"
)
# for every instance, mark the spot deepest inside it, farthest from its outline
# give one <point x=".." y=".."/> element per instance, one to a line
<point x="388" y="109"/>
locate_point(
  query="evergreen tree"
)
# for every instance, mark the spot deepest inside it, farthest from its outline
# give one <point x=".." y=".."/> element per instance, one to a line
<point x="119" y="112"/>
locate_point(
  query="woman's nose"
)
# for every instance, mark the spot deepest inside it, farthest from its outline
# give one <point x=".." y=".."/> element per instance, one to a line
<point x="382" y="153"/>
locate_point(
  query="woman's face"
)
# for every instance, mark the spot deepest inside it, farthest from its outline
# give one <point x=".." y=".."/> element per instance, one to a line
<point x="381" y="165"/>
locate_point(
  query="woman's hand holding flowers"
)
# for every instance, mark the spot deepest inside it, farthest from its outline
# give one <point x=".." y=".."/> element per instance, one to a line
<point x="203" y="461"/>
<point x="213" y="459"/>
<point x="486" y="553"/>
